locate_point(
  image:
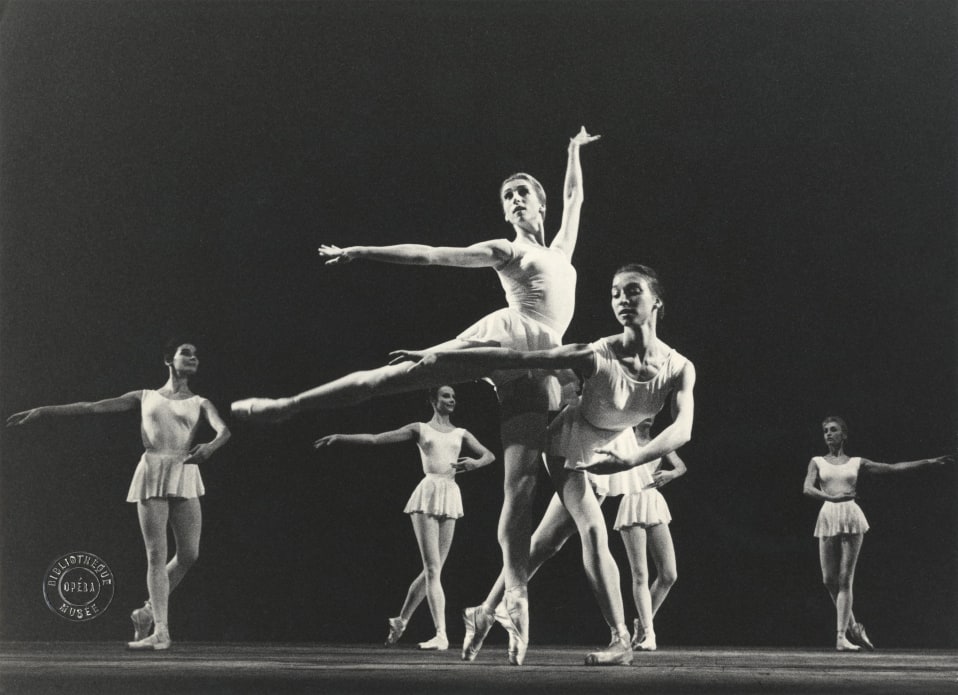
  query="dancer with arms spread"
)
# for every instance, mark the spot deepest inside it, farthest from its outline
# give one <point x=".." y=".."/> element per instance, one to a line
<point x="628" y="378"/>
<point x="166" y="485"/>
<point x="435" y="504"/>
<point x="539" y="284"/>
<point x="841" y="524"/>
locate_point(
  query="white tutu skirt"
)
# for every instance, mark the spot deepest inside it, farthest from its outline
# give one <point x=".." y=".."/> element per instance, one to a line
<point x="837" y="518"/>
<point x="436" y="495"/>
<point x="164" y="475"/>
<point x="508" y="328"/>
<point x="571" y="436"/>
<point x="645" y="509"/>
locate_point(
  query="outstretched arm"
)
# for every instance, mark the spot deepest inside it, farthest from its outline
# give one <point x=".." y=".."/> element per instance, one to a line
<point x="128" y="401"/>
<point x="810" y="488"/>
<point x="481" y="360"/>
<point x="404" y="434"/>
<point x="201" y="452"/>
<point x="485" y="254"/>
<point x="484" y="458"/>
<point x="902" y="466"/>
<point x="673" y="437"/>
<point x="572" y="196"/>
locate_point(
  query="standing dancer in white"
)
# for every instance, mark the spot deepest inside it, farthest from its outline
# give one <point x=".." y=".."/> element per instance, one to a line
<point x="434" y="506"/>
<point x="539" y="284"/>
<point x="643" y="522"/>
<point x="166" y="484"/>
<point x="628" y="378"/>
<point x="841" y="524"/>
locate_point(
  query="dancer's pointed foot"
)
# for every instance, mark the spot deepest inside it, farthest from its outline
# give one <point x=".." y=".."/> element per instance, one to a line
<point x="638" y="634"/>
<point x="142" y="619"/>
<point x="263" y="409"/>
<point x="843" y="645"/>
<point x="617" y="654"/>
<point x="396" y="627"/>
<point x="159" y="640"/>
<point x="647" y="644"/>
<point x="517" y="606"/>
<point x="856" y="635"/>
<point x="478" y="622"/>
<point x="439" y="643"/>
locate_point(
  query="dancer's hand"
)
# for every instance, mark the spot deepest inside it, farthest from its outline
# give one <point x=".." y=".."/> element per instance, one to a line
<point x="662" y="478"/>
<point x="604" y="462"/>
<point x="942" y="460"/>
<point x="328" y="440"/>
<point x="844" y="497"/>
<point x="333" y="254"/>
<point x="422" y="358"/>
<point x="466" y="464"/>
<point x="23" y="417"/>
<point x="198" y="454"/>
<point x="583" y="138"/>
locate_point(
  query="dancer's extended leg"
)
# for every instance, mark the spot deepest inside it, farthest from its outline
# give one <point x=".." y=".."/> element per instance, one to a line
<point x="435" y="538"/>
<point x="358" y="387"/>
<point x="154" y="515"/>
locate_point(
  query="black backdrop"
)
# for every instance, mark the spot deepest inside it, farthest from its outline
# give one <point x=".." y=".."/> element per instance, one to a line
<point x="788" y="167"/>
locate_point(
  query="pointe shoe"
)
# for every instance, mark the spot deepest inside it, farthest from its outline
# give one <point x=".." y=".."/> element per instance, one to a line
<point x="843" y="645"/>
<point x="158" y="641"/>
<point x="142" y="619"/>
<point x="618" y="654"/>
<point x="439" y="643"/>
<point x="518" y="610"/>
<point x="396" y="627"/>
<point x="638" y="634"/>
<point x="647" y="644"/>
<point x="478" y="623"/>
<point x="261" y="409"/>
<point x="856" y="635"/>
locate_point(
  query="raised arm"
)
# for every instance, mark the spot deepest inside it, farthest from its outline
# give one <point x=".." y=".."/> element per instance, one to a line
<point x="409" y="433"/>
<point x="128" y="401"/>
<point x="902" y="466"/>
<point x="572" y="196"/>
<point x="481" y="360"/>
<point x="202" y="452"/>
<point x="484" y="456"/>
<point x="485" y="254"/>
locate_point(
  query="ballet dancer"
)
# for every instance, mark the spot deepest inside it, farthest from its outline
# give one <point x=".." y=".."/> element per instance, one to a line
<point x="628" y="378"/>
<point x="539" y="284"/>
<point x="434" y="506"/>
<point x="645" y="515"/>
<point x="166" y="485"/>
<point x="643" y="523"/>
<point x="841" y="524"/>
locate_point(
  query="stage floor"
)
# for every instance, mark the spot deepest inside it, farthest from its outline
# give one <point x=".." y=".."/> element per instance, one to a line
<point x="195" y="667"/>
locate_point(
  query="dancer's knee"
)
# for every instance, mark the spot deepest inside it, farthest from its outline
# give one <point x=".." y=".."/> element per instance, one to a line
<point x="187" y="556"/>
<point x="667" y="577"/>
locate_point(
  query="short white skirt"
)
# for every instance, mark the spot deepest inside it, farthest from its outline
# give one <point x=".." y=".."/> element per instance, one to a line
<point x="838" y="518"/>
<point x="511" y="329"/>
<point x="165" y="475"/>
<point x="436" y="495"/>
<point x="645" y="509"/>
<point x="572" y="437"/>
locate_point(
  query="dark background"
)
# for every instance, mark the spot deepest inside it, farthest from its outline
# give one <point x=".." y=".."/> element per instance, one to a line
<point x="789" y="168"/>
